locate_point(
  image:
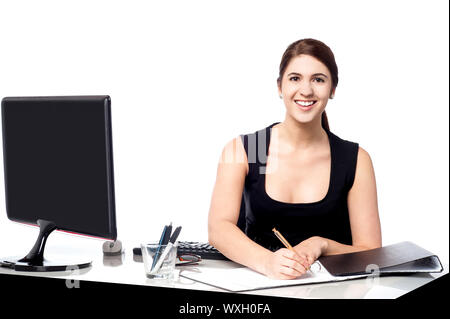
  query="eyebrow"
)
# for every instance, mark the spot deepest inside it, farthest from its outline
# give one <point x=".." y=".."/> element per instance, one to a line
<point x="315" y="74"/>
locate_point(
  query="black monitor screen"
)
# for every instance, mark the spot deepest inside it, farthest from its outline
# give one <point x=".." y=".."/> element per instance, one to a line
<point x="58" y="162"/>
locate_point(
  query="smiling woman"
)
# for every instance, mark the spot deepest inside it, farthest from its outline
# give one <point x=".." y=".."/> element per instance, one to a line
<point x="313" y="49"/>
<point x="317" y="189"/>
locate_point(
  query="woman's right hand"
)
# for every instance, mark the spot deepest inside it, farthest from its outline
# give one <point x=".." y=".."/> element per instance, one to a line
<point x="285" y="264"/>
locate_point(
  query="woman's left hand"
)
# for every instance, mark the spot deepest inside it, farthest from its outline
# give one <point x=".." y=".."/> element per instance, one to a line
<point x="311" y="248"/>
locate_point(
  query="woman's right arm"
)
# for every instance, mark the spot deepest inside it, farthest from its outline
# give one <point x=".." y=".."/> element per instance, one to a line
<point x="223" y="232"/>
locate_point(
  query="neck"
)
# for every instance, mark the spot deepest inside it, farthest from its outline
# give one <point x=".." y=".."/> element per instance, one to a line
<point x="301" y="135"/>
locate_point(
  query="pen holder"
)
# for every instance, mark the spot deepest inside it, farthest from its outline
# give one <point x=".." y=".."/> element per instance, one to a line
<point x="159" y="260"/>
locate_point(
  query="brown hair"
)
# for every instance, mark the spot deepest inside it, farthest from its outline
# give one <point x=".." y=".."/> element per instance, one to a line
<point x="321" y="52"/>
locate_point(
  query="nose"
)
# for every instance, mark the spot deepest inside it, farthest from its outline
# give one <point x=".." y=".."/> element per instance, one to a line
<point x="305" y="89"/>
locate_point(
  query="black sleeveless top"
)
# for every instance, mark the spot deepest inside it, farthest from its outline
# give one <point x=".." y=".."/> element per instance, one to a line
<point x="327" y="218"/>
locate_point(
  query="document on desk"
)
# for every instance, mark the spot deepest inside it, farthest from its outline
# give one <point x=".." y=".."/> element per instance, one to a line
<point x="404" y="257"/>
<point x="244" y="279"/>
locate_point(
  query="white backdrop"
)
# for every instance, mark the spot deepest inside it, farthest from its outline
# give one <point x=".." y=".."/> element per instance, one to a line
<point x="185" y="77"/>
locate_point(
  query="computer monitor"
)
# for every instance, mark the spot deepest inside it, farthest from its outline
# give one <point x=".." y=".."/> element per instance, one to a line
<point x="58" y="169"/>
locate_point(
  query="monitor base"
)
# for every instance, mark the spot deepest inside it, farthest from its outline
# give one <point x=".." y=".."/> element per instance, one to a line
<point x="35" y="261"/>
<point x="46" y="265"/>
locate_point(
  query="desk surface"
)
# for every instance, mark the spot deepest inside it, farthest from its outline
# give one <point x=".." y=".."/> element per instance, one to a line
<point x="125" y="269"/>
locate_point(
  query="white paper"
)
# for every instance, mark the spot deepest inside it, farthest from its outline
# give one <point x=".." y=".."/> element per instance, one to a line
<point x="244" y="279"/>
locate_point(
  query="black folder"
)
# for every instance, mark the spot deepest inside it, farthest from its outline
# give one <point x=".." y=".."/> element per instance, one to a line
<point x="404" y="257"/>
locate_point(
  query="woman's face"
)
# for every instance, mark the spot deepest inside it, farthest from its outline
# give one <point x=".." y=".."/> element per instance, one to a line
<point x="305" y="87"/>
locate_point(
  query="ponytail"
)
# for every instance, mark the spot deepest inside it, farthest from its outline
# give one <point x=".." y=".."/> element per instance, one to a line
<point x="325" y="124"/>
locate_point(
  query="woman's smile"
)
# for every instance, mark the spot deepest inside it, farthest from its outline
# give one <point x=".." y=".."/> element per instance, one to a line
<point x="305" y="105"/>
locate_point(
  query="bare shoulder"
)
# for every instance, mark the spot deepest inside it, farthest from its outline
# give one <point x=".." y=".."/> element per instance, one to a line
<point x="234" y="153"/>
<point x="364" y="159"/>
<point x="364" y="168"/>
<point x="230" y="180"/>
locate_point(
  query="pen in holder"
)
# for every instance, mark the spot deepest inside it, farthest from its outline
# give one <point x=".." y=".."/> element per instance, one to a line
<point x="165" y="257"/>
<point x="159" y="259"/>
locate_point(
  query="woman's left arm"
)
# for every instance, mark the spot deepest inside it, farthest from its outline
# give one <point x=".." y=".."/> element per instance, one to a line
<point x="363" y="213"/>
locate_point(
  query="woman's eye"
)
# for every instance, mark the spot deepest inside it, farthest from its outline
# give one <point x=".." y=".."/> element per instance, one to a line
<point x="320" y="80"/>
<point x="294" y="78"/>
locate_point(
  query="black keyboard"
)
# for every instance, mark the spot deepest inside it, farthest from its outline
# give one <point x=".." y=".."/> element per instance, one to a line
<point x="204" y="250"/>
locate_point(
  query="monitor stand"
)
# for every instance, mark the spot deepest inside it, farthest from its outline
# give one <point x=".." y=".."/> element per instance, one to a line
<point x="35" y="260"/>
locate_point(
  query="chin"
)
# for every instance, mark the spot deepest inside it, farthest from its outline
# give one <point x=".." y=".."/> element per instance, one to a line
<point x="305" y="119"/>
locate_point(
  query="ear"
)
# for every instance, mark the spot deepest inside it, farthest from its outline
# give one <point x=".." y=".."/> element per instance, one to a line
<point x="332" y="93"/>
<point x="279" y="89"/>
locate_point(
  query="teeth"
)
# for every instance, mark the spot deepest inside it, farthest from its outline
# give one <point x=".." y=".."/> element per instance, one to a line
<point x="304" y="103"/>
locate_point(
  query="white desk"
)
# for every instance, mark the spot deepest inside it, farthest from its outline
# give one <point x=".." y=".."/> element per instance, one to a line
<point x="125" y="270"/>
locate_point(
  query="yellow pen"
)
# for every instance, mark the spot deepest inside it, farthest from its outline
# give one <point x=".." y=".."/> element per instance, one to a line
<point x="285" y="242"/>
